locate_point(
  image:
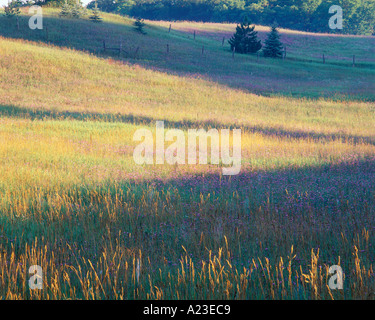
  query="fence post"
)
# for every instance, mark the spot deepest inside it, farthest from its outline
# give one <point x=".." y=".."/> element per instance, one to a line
<point x="167" y="48"/>
<point x="234" y="50"/>
<point x="353" y="60"/>
<point x="170" y="27"/>
<point x="222" y="44"/>
<point x="104" y="45"/>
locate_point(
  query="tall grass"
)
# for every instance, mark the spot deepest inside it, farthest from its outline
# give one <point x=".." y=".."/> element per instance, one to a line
<point x="73" y="201"/>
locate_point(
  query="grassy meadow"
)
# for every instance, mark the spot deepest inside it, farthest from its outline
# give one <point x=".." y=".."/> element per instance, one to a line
<point x="73" y="200"/>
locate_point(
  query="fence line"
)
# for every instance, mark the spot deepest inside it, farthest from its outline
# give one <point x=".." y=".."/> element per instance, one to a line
<point x="354" y="59"/>
<point x="338" y="60"/>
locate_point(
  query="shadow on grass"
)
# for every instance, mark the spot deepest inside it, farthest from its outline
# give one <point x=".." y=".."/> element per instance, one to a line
<point x="324" y="188"/>
<point x="40" y="114"/>
<point x="266" y="77"/>
<point x="307" y="207"/>
<point x="237" y="222"/>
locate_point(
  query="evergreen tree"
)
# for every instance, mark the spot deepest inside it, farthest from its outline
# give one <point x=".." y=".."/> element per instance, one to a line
<point x="12" y="9"/>
<point x="65" y="10"/>
<point x="95" y="17"/>
<point x="245" y="40"/>
<point x="139" y="25"/>
<point x="77" y="10"/>
<point x="273" y="47"/>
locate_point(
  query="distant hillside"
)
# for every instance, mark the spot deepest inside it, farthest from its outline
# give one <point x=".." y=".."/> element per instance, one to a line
<point x="300" y="74"/>
<point x="310" y="15"/>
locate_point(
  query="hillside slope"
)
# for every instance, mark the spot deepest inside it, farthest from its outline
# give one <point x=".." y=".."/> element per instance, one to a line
<point x="73" y="200"/>
<point x="301" y="75"/>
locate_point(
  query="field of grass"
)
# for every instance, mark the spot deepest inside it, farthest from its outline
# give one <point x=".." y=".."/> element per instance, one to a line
<point x="73" y="201"/>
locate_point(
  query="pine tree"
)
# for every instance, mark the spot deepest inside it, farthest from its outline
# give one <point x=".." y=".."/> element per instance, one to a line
<point x="12" y="9"/>
<point x="95" y="17"/>
<point x="65" y="10"/>
<point x="245" y="40"/>
<point x="139" y="25"/>
<point x="76" y="10"/>
<point x="273" y="47"/>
